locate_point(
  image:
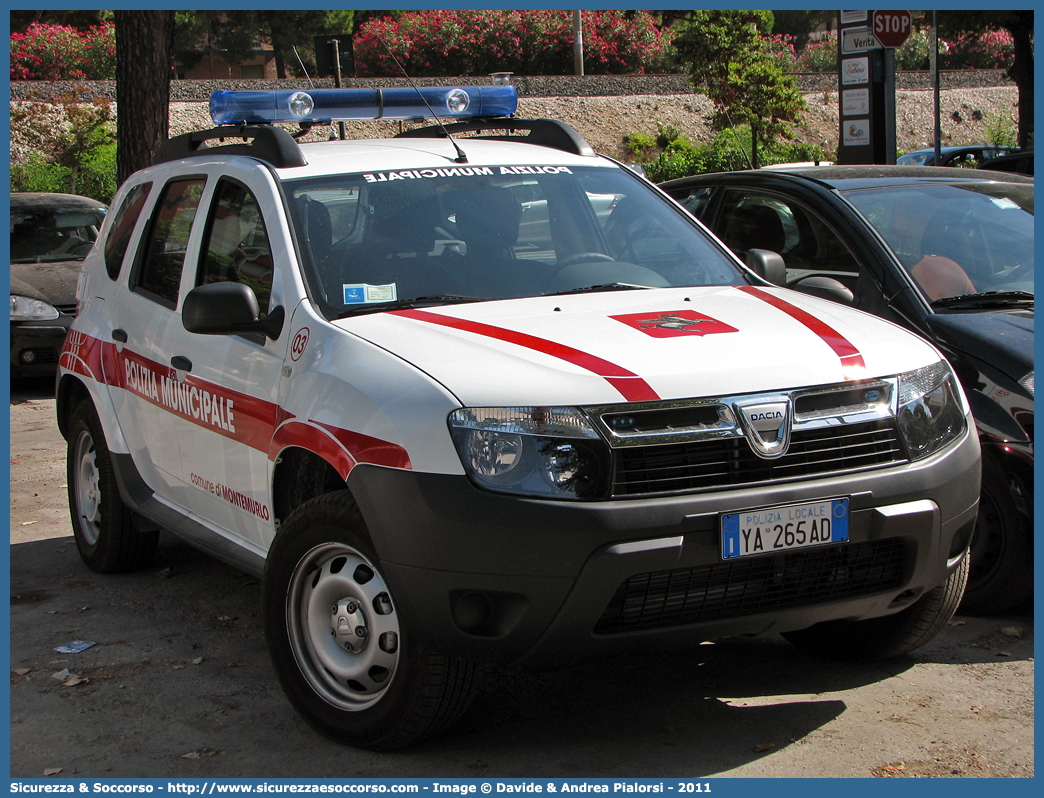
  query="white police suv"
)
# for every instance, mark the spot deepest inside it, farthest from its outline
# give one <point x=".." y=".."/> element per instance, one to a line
<point x="477" y="393"/>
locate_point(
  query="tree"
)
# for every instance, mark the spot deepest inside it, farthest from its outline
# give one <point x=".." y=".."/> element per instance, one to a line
<point x="81" y="19"/>
<point x="144" y="46"/>
<point x="237" y="34"/>
<point x="727" y="60"/>
<point x="1020" y="25"/>
<point x="801" y="24"/>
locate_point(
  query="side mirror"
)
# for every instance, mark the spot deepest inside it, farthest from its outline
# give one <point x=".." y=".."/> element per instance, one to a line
<point x="228" y="309"/>
<point x="826" y="288"/>
<point x="767" y="265"/>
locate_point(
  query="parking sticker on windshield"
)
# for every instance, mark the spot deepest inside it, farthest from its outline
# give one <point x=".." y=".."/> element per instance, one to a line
<point x="363" y="293"/>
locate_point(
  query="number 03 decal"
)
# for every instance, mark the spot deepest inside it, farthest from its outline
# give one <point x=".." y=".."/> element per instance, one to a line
<point x="299" y="344"/>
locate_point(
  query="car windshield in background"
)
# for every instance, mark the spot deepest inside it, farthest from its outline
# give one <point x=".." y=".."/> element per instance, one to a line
<point x="376" y="241"/>
<point x="50" y="234"/>
<point x="961" y="239"/>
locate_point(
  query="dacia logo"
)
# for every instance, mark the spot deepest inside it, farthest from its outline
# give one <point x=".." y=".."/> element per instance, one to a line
<point x="766" y="416"/>
<point x="766" y="425"/>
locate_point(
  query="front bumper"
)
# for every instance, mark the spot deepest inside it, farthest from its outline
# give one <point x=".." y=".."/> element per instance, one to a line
<point x="540" y="583"/>
<point x="36" y="345"/>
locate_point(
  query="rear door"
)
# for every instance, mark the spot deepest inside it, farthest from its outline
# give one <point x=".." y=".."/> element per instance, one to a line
<point x="145" y="324"/>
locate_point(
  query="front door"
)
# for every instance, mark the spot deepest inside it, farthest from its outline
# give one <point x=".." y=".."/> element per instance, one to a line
<point x="228" y="385"/>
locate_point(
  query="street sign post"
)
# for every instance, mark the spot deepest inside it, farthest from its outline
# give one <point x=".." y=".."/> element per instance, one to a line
<point x="866" y="84"/>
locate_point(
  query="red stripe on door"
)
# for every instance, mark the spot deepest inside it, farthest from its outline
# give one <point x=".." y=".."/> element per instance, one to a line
<point x="252" y="421"/>
<point x="632" y="387"/>
<point x="843" y="348"/>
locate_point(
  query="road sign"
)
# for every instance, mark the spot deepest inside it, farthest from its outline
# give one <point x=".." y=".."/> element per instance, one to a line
<point x="858" y="40"/>
<point x="892" y="27"/>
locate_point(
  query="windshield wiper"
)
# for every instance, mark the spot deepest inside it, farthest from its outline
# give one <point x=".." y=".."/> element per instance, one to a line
<point x="985" y="299"/>
<point x="416" y="302"/>
<point x="591" y="289"/>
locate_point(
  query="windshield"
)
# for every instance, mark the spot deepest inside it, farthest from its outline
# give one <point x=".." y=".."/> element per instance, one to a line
<point x="956" y="240"/>
<point x="914" y="158"/>
<point x="461" y="233"/>
<point x="46" y="234"/>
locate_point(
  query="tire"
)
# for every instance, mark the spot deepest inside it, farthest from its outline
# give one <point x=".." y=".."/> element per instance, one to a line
<point x="103" y="526"/>
<point x="891" y="635"/>
<point x="1001" y="575"/>
<point x="323" y="583"/>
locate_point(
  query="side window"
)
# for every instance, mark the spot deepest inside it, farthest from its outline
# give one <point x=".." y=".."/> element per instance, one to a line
<point x="751" y="220"/>
<point x="122" y="227"/>
<point x="236" y="246"/>
<point x="695" y="200"/>
<point x="164" y="248"/>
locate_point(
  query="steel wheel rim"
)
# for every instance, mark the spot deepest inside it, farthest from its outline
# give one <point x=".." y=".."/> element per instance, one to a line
<point x="87" y="490"/>
<point x="343" y="628"/>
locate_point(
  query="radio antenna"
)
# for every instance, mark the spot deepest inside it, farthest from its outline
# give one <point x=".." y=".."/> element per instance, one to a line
<point x="312" y="85"/>
<point x="461" y="157"/>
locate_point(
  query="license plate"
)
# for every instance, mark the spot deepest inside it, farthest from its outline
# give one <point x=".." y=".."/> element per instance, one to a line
<point x="789" y="526"/>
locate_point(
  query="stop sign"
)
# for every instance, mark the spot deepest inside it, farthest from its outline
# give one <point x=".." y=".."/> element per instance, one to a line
<point x="892" y="27"/>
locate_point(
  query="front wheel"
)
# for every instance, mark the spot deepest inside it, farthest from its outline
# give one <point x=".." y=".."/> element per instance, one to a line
<point x="891" y="635"/>
<point x="1001" y="575"/>
<point x="343" y="654"/>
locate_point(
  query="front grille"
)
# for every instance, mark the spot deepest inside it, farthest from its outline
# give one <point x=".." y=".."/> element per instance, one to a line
<point x="66" y="310"/>
<point x="758" y="584"/>
<point x="730" y="462"/>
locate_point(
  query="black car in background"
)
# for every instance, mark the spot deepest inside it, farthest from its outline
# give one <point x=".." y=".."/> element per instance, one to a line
<point x="51" y="234"/>
<point x="966" y="155"/>
<point x="1020" y="162"/>
<point x="947" y="253"/>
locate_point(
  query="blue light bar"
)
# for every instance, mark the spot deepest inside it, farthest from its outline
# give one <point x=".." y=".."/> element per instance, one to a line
<point x="325" y="105"/>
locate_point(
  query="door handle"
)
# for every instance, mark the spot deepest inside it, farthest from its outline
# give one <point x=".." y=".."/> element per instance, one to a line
<point x="119" y="335"/>
<point x="181" y="363"/>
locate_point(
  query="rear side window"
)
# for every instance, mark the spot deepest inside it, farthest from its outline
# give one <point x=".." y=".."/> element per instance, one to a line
<point x="122" y="227"/>
<point x="164" y="248"/>
<point x="236" y="247"/>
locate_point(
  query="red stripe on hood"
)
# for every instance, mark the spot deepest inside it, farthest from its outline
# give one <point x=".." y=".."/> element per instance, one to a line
<point x="632" y="387"/>
<point x="843" y="348"/>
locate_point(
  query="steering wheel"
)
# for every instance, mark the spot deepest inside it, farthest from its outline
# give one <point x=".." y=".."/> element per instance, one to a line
<point x="584" y="257"/>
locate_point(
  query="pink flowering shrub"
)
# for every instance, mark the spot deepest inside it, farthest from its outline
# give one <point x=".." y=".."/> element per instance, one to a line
<point x="819" y="55"/>
<point x="524" y="42"/>
<point x="61" y="52"/>
<point x="781" y="47"/>
<point x="989" y="50"/>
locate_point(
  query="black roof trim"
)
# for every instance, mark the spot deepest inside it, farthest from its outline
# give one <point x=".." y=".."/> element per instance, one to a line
<point x="270" y="144"/>
<point x="542" y="132"/>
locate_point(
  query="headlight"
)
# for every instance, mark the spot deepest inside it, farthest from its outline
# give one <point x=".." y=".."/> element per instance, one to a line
<point x="931" y="413"/>
<point x="1027" y="383"/>
<point x="25" y="309"/>
<point x="550" y="452"/>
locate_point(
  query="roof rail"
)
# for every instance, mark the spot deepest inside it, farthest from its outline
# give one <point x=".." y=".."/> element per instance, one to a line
<point x="542" y="132"/>
<point x="270" y="144"/>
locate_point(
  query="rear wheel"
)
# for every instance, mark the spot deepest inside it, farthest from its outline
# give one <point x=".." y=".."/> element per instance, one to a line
<point x="1001" y="575"/>
<point x="102" y="525"/>
<point x="891" y="635"/>
<point x="343" y="654"/>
